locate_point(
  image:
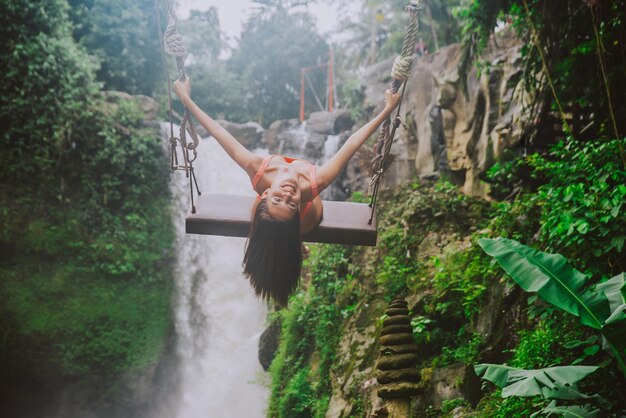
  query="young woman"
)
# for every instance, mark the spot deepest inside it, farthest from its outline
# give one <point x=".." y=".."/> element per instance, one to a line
<point x="288" y="202"/>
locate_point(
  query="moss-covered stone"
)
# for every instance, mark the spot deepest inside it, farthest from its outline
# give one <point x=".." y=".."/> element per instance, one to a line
<point x="395" y="329"/>
<point x="399" y="390"/>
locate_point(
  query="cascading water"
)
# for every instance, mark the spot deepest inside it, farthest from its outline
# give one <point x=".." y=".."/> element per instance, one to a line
<point x="218" y="318"/>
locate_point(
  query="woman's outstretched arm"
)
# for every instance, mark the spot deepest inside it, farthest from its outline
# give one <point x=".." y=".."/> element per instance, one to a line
<point x="329" y="171"/>
<point x="247" y="160"/>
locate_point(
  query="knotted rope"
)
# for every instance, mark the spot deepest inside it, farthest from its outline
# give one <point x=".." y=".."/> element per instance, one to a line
<point x="400" y="72"/>
<point x="173" y="44"/>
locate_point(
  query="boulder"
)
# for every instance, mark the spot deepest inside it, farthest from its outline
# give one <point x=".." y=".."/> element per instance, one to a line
<point x="329" y="123"/>
<point x="268" y="344"/>
<point x="249" y="134"/>
<point x="148" y="106"/>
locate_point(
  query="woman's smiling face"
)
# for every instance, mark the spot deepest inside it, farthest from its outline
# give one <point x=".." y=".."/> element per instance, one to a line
<point x="283" y="197"/>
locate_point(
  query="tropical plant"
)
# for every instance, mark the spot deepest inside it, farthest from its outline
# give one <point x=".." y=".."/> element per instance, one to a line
<point x="600" y="307"/>
<point x="549" y="383"/>
<point x="572" y="411"/>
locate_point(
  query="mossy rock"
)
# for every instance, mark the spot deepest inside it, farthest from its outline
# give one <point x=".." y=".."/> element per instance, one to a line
<point x="400" y="349"/>
<point x="395" y="320"/>
<point x="409" y="374"/>
<point x="397" y="361"/>
<point x="396" y="329"/>
<point x="397" y="311"/>
<point x="399" y="390"/>
<point x="396" y="339"/>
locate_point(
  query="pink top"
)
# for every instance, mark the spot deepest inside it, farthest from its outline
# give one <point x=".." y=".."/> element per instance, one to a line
<point x="289" y="160"/>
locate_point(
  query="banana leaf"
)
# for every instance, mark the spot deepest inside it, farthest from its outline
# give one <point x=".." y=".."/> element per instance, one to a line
<point x="552" y="278"/>
<point x="550" y="383"/>
<point x="572" y="411"/>
<point x="615" y="291"/>
<point x="558" y="283"/>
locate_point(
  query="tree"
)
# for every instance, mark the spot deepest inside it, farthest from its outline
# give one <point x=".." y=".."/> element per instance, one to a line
<point x="378" y="30"/>
<point x="123" y="35"/>
<point x="276" y="43"/>
<point x="47" y="80"/>
<point x="203" y="38"/>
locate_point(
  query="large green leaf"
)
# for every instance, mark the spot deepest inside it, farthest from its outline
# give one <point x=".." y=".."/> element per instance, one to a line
<point x="615" y="291"/>
<point x="498" y="374"/>
<point x="550" y="276"/>
<point x="551" y="383"/>
<point x="572" y="411"/>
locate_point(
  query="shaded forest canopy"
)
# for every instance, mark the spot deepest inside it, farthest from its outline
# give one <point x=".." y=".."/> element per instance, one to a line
<point x="86" y="235"/>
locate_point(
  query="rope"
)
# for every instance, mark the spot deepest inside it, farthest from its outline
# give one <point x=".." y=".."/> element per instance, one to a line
<point x="400" y="72"/>
<point x="173" y="44"/>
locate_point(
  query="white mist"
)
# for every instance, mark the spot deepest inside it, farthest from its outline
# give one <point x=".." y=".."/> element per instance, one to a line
<point x="218" y="318"/>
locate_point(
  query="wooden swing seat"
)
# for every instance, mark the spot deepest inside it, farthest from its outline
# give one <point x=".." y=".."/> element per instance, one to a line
<point x="229" y="215"/>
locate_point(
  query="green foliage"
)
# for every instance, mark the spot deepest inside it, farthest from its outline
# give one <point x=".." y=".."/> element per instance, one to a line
<point x="202" y="35"/>
<point x="559" y="284"/>
<point x="309" y="329"/>
<point x="466" y="274"/>
<point x="47" y="81"/>
<point x="275" y="44"/>
<point x="537" y="346"/>
<point x="550" y="383"/>
<point x="571" y="411"/>
<point x="64" y="281"/>
<point x="467" y="352"/>
<point x="586" y="191"/>
<point x="576" y="41"/>
<point x="493" y="405"/>
<point x="380" y="26"/>
<point x="123" y="35"/>
<point x="86" y="235"/>
<point x="426" y="208"/>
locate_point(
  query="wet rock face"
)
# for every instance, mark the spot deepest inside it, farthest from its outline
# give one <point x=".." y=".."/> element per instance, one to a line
<point x="397" y="374"/>
<point x="451" y="132"/>
<point x="268" y="344"/>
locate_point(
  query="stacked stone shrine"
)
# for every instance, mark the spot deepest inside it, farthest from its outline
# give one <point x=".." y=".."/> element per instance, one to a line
<point x="397" y="375"/>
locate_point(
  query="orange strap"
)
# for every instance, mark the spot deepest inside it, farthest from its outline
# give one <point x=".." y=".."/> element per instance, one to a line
<point x="289" y="160"/>
<point x="261" y="170"/>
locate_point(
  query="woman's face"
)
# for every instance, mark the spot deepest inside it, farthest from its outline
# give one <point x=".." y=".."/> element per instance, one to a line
<point x="283" y="198"/>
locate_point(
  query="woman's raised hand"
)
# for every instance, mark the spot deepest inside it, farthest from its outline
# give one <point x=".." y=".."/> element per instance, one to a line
<point x="391" y="100"/>
<point x="182" y="88"/>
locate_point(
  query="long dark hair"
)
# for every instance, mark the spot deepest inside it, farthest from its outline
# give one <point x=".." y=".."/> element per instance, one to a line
<point x="273" y="257"/>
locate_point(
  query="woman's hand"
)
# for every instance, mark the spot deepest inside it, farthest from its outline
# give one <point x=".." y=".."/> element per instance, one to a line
<point x="391" y="100"/>
<point x="182" y="88"/>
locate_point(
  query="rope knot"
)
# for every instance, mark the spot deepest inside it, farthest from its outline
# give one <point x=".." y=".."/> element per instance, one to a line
<point x="173" y="42"/>
<point x="402" y="67"/>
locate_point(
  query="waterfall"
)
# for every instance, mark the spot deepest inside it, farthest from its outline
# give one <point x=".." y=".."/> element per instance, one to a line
<point x="218" y="319"/>
<point x="331" y="146"/>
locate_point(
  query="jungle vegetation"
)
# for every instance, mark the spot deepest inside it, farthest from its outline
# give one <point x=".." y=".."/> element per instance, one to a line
<point x="85" y="228"/>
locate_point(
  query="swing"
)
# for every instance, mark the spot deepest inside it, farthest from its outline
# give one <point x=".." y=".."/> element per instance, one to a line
<point x="230" y="215"/>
